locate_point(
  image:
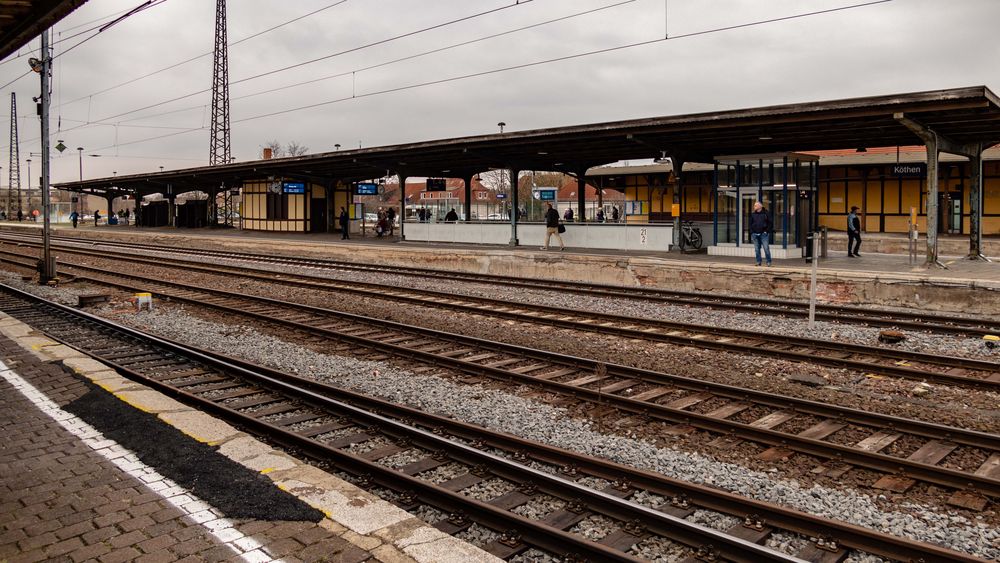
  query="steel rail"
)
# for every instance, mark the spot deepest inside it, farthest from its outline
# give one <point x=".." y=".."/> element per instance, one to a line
<point x="835" y="313"/>
<point x="549" y="538"/>
<point x="825" y="450"/>
<point x="619" y="325"/>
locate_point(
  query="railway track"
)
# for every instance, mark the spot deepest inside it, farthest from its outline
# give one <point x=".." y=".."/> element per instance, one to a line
<point x="862" y="358"/>
<point x="398" y="447"/>
<point x="683" y="405"/>
<point x="783" y="307"/>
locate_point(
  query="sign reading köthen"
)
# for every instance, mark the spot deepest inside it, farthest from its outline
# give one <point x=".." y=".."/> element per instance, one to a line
<point x="914" y="170"/>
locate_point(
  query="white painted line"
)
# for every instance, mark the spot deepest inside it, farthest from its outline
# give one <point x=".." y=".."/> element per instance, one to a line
<point x="196" y="510"/>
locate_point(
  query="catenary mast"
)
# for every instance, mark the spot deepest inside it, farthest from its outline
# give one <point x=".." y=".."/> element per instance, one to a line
<point x="220" y="149"/>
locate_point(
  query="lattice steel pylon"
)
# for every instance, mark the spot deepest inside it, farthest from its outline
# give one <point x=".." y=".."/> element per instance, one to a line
<point x="220" y="149"/>
<point x="14" y="170"/>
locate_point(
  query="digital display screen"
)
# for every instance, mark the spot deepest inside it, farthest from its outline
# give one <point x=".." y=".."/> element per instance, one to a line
<point x="436" y="184"/>
<point x="294" y="187"/>
<point x="366" y="189"/>
<point x="547" y="195"/>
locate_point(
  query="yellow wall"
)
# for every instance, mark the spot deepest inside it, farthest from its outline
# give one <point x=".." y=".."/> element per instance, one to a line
<point x="847" y="186"/>
<point x="255" y="209"/>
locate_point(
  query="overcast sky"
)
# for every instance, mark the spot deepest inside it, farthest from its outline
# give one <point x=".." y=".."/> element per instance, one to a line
<point x="893" y="47"/>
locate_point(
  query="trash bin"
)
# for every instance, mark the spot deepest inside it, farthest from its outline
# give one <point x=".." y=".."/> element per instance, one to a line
<point x="807" y="250"/>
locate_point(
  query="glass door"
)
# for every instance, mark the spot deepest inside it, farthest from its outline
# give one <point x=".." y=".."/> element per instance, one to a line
<point x="748" y="196"/>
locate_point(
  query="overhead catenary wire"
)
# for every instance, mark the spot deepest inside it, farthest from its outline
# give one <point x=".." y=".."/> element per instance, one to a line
<point x="393" y="61"/>
<point x="205" y="54"/>
<point x="530" y="65"/>
<point x="329" y="56"/>
<point x="325" y="57"/>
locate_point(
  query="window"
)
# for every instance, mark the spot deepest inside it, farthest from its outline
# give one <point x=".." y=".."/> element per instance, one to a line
<point x="277" y="206"/>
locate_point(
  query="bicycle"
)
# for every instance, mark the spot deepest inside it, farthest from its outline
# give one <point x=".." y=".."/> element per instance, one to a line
<point x="690" y="236"/>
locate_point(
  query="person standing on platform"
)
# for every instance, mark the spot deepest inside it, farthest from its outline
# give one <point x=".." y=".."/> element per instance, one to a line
<point x="760" y="231"/>
<point x="20" y="215"/>
<point x="75" y="217"/>
<point x="390" y="216"/>
<point x="614" y="214"/>
<point x="600" y="215"/>
<point x="97" y="217"/>
<point x="345" y="222"/>
<point x="451" y="217"/>
<point x="552" y="227"/>
<point x="853" y="233"/>
<point x="568" y="216"/>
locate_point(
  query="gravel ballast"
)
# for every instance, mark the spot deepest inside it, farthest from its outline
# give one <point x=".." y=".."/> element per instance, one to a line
<point x="502" y="411"/>
<point x="541" y="422"/>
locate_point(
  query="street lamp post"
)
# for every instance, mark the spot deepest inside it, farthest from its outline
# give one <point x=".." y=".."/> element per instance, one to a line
<point x="19" y="207"/>
<point x="79" y="204"/>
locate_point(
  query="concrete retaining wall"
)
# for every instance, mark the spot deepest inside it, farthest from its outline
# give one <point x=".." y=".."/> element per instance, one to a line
<point x="900" y="289"/>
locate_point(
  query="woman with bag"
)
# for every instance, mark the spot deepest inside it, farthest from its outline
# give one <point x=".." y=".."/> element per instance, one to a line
<point x="553" y="227"/>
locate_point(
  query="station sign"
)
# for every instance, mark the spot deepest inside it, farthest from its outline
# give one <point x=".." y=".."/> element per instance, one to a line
<point x="436" y="184"/>
<point x="365" y="188"/>
<point x="910" y="170"/>
<point x="294" y="187"/>
<point x="545" y="195"/>
<point x="501" y="196"/>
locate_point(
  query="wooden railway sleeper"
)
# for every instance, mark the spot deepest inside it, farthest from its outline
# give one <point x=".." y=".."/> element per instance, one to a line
<point x="446" y="421"/>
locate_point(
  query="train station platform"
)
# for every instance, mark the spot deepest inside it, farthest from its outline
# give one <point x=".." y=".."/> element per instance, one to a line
<point x="96" y="467"/>
<point x="883" y="279"/>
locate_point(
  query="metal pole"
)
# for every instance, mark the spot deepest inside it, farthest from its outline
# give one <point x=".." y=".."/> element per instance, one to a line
<point x="79" y="204"/>
<point x="48" y="267"/>
<point x="812" y="282"/>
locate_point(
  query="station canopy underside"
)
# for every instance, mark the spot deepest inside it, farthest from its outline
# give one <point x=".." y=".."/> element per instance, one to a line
<point x="964" y="116"/>
<point x="23" y="20"/>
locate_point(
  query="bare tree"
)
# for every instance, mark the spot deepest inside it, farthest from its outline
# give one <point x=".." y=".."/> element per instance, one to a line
<point x="293" y="148"/>
<point x="497" y="180"/>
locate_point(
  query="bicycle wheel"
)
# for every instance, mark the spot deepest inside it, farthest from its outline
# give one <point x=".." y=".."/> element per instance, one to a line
<point x="695" y="239"/>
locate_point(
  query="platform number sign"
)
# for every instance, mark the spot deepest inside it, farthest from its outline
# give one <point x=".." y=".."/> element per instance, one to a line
<point x="643" y="236"/>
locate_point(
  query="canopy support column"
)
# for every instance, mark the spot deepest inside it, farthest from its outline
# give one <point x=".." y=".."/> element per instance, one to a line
<point x="402" y="205"/>
<point x="468" y="197"/>
<point x="976" y="205"/>
<point x="514" y="173"/>
<point x="581" y="195"/>
<point x="973" y="151"/>
<point x="677" y="164"/>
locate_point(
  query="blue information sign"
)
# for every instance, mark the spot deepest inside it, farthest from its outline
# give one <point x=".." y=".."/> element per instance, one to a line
<point x="547" y="195"/>
<point x="294" y="187"/>
<point x="366" y="189"/>
<point x="501" y="196"/>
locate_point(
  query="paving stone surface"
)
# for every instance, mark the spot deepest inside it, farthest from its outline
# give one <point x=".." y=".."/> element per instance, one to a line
<point x="61" y="501"/>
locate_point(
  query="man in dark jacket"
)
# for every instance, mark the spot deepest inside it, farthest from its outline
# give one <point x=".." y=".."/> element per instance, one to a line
<point x="853" y="233"/>
<point x="552" y="227"/>
<point x="451" y="217"/>
<point x="345" y="223"/>
<point x="760" y="231"/>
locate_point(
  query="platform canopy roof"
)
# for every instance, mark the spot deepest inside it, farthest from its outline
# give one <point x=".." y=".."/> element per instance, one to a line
<point x="23" y="20"/>
<point x="963" y="115"/>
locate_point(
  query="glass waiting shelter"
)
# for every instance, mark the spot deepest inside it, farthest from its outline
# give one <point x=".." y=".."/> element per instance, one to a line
<point x="785" y="183"/>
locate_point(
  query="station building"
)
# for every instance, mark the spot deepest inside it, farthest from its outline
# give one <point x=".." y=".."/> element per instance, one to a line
<point x="809" y="163"/>
<point x="889" y="185"/>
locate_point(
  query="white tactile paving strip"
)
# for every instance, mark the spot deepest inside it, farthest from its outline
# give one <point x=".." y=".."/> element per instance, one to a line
<point x="195" y="509"/>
